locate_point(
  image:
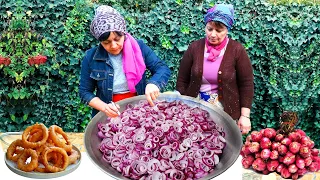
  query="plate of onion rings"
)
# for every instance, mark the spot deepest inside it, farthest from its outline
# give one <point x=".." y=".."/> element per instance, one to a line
<point x="36" y="155"/>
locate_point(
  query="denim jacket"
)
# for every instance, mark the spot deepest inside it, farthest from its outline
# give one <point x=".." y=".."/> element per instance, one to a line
<point x="97" y="74"/>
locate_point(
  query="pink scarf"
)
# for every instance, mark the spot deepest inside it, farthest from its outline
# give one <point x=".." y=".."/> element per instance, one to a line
<point x="214" y="51"/>
<point x="133" y="62"/>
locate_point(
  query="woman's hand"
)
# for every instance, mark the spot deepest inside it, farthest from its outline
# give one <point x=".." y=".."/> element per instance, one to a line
<point x="152" y="92"/>
<point x="111" y="111"/>
<point x="244" y="124"/>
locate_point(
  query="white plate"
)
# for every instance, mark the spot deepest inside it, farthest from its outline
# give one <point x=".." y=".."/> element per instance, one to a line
<point x="38" y="175"/>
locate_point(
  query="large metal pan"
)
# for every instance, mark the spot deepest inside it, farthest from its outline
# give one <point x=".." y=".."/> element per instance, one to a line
<point x="230" y="153"/>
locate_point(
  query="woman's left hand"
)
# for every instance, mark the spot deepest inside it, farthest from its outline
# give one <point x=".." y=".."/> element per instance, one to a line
<point x="152" y="92"/>
<point x="244" y="124"/>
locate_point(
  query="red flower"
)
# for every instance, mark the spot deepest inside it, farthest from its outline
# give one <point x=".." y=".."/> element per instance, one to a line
<point x="4" y="60"/>
<point x="40" y="59"/>
<point x="31" y="61"/>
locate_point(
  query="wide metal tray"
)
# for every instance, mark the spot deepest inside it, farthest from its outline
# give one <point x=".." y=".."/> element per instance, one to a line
<point x="230" y="153"/>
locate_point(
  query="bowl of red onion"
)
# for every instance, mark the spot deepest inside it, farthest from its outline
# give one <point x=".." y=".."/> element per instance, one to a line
<point x="179" y="138"/>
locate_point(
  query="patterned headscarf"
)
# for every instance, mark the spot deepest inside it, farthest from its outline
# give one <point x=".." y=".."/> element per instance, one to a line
<point x="223" y="13"/>
<point x="107" y="19"/>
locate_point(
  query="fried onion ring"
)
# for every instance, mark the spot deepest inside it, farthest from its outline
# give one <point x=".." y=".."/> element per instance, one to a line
<point x="28" y="167"/>
<point x="26" y="133"/>
<point x="35" y="135"/>
<point x="54" y="130"/>
<point x="49" y="166"/>
<point x="41" y="169"/>
<point x="74" y="156"/>
<point x="15" y="150"/>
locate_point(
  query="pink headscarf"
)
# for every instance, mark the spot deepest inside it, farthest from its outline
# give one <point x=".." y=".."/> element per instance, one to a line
<point x="133" y="62"/>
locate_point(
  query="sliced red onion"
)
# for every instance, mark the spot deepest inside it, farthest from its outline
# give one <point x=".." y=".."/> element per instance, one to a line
<point x="158" y="176"/>
<point x="182" y="148"/>
<point x="101" y="135"/>
<point x="208" y="161"/>
<point x="155" y="153"/>
<point x="180" y="156"/>
<point x="129" y="147"/>
<point x="186" y="141"/>
<point x="134" y="155"/>
<point x="165" y="152"/>
<point x="216" y="159"/>
<point x="173" y="156"/>
<point x="165" y="127"/>
<point x="190" y="153"/>
<point x="158" y="132"/>
<point x="204" y="167"/>
<point x="194" y="137"/>
<point x="209" y="154"/>
<point x="139" y="167"/>
<point x="138" y="138"/>
<point x="163" y="142"/>
<point x="164" y="165"/>
<point x="153" y="165"/>
<point x="148" y="145"/>
<point x="107" y="156"/>
<point x="145" y="158"/>
<point x="107" y="142"/>
<point x="200" y="174"/>
<point x="126" y="171"/>
<point x="174" y="145"/>
<point x="155" y="139"/>
<point x="222" y="139"/>
<point x="115" y="162"/>
<point x="180" y="165"/>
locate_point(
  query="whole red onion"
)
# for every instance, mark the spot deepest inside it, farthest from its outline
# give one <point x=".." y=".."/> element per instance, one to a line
<point x="259" y="165"/>
<point x="256" y="136"/>
<point x="280" y="167"/>
<point x="292" y="168"/>
<point x="282" y="149"/>
<point x="279" y="137"/>
<point x="247" y="161"/>
<point x="294" y="147"/>
<point x="300" y="163"/>
<point x="269" y="133"/>
<point x="254" y="147"/>
<point x="285" y="172"/>
<point x="272" y="165"/>
<point x="286" y="141"/>
<point x="265" y="154"/>
<point x="265" y="143"/>
<point x="301" y="132"/>
<point x="274" y="154"/>
<point x="275" y="145"/>
<point x="294" y="136"/>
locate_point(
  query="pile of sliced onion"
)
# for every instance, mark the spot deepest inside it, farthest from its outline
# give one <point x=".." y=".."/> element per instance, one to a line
<point x="173" y="141"/>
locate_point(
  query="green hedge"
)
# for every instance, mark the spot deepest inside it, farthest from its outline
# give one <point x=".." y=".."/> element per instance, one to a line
<point x="282" y="41"/>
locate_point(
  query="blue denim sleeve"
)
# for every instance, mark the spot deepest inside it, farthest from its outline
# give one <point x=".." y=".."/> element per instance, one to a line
<point x="87" y="84"/>
<point x="158" y="68"/>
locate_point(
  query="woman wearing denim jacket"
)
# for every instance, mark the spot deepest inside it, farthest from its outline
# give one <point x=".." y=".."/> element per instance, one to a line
<point x="116" y="68"/>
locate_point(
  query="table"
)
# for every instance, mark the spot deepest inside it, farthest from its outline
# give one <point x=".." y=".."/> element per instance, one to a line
<point x="87" y="169"/>
<point x="235" y="172"/>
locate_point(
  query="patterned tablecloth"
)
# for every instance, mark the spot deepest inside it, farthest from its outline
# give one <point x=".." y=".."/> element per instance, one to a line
<point x="248" y="174"/>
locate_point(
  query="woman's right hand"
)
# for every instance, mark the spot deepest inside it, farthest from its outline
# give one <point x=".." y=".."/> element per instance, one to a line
<point x="111" y="111"/>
